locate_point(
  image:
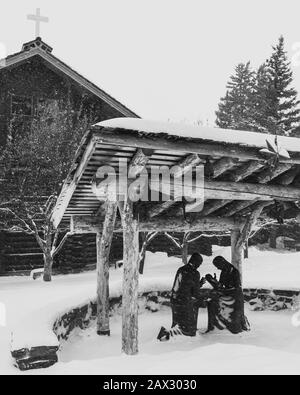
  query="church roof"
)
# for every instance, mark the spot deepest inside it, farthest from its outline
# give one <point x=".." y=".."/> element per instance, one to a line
<point x="38" y="47"/>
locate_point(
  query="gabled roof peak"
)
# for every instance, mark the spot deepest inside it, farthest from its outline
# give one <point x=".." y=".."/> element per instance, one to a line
<point x="37" y="43"/>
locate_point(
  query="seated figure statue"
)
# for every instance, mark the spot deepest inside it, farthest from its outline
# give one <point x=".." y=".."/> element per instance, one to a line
<point x="226" y="305"/>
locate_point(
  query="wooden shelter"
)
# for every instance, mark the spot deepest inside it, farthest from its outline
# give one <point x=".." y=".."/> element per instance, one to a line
<point x="248" y="177"/>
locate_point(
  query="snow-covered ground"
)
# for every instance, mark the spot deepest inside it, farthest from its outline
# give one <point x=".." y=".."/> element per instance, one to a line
<point x="272" y="346"/>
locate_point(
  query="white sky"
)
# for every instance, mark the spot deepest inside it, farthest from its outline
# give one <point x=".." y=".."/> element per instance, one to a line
<point x="165" y="59"/>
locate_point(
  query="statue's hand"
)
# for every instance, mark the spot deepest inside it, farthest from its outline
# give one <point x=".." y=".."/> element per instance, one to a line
<point x="212" y="281"/>
<point x="203" y="281"/>
<point x="209" y="277"/>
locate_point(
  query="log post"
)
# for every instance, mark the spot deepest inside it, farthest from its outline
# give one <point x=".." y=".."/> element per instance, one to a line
<point x="237" y="251"/>
<point x="143" y="252"/>
<point x="273" y="238"/>
<point x="130" y="280"/>
<point x="246" y="250"/>
<point x="239" y="237"/>
<point x="185" y="248"/>
<point x="2" y="244"/>
<point x="103" y="250"/>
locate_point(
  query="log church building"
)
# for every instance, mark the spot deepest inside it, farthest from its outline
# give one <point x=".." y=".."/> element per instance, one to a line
<point x="32" y="78"/>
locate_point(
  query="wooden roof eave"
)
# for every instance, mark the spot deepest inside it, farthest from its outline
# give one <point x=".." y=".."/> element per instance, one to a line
<point x="124" y="137"/>
<point x="99" y="137"/>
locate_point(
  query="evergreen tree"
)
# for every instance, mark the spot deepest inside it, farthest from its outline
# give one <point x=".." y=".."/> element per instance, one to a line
<point x="262" y="115"/>
<point x="236" y="108"/>
<point x="283" y="107"/>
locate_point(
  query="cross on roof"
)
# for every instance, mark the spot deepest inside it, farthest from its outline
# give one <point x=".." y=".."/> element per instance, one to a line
<point x="38" y="19"/>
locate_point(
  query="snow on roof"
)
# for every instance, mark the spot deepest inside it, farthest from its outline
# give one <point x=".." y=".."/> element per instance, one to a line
<point x="226" y="136"/>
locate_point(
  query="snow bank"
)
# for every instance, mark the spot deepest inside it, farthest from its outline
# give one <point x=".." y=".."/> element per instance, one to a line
<point x="33" y="307"/>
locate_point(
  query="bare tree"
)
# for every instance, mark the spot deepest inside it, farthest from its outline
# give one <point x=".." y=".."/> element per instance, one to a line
<point x="147" y="239"/>
<point x="34" y="167"/>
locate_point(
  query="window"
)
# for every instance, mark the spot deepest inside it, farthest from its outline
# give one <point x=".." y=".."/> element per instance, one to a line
<point x="21" y="105"/>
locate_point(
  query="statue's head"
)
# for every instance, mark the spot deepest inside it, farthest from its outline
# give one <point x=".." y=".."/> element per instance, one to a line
<point x="220" y="263"/>
<point x="196" y="260"/>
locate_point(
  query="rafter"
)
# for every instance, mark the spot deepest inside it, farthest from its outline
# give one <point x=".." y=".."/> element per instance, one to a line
<point x="240" y="174"/>
<point x="217" y="168"/>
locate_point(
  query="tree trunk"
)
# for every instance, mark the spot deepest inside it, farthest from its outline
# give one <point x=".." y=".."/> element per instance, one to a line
<point x="143" y="253"/>
<point x="185" y="250"/>
<point x="2" y="244"/>
<point x="246" y="250"/>
<point x="273" y="238"/>
<point x="48" y="264"/>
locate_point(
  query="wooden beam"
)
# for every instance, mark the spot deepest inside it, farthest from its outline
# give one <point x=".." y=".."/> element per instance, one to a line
<point x="118" y="186"/>
<point x="269" y="174"/>
<point x="187" y="164"/>
<point x="71" y="183"/>
<point x="130" y="139"/>
<point x="286" y="179"/>
<point x="184" y="166"/>
<point x="246" y="170"/>
<point x="213" y="205"/>
<point x="228" y="197"/>
<point x="217" y="168"/>
<point x="90" y="224"/>
<point x="138" y="163"/>
<point x="239" y="174"/>
<point x="252" y="207"/>
<point x="235" y="191"/>
<point x="161" y="208"/>
<point x="103" y="251"/>
<point x="222" y="165"/>
<point x="235" y="207"/>
<point x="130" y="280"/>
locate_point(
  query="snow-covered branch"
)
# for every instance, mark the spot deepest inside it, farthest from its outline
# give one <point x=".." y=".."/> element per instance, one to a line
<point x="55" y="250"/>
<point x="173" y="240"/>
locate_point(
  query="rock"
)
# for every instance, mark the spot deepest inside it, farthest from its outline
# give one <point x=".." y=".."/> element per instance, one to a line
<point x="35" y="358"/>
